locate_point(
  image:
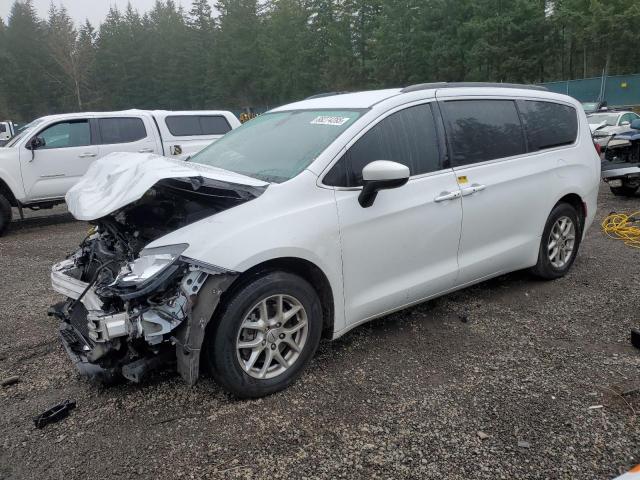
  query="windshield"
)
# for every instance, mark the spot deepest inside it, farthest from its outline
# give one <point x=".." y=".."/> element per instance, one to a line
<point x="276" y="147"/>
<point x="610" y="119"/>
<point x="23" y="130"/>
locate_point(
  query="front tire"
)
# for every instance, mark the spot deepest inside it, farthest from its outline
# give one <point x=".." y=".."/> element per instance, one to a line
<point x="559" y="244"/>
<point x="264" y="335"/>
<point x="5" y="214"/>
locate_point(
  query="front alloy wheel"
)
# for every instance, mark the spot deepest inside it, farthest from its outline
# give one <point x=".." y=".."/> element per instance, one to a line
<point x="264" y="334"/>
<point x="271" y="336"/>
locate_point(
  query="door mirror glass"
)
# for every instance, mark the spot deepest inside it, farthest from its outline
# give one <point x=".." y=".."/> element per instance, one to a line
<point x="36" y="143"/>
<point x="381" y="175"/>
<point x="636" y="124"/>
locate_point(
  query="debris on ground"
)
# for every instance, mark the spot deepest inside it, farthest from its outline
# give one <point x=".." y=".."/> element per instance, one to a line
<point x="10" y="381"/>
<point x="54" y="414"/>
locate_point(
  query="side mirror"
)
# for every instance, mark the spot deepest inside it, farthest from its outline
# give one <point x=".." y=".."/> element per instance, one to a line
<point x="636" y="124"/>
<point x="36" y="143"/>
<point x="381" y="175"/>
<point x="625" y="124"/>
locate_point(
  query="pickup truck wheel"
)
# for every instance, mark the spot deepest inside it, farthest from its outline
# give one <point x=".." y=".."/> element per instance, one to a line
<point x="559" y="244"/>
<point x="265" y="335"/>
<point x="624" y="191"/>
<point x="5" y="214"/>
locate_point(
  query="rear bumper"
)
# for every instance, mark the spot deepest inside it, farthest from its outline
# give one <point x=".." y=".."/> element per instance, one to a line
<point x="620" y="171"/>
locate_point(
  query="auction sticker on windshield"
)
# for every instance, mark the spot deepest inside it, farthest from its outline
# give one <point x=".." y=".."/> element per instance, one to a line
<point x="335" y="121"/>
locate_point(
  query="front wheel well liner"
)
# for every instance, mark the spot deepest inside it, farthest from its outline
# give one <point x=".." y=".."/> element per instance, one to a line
<point x="297" y="266"/>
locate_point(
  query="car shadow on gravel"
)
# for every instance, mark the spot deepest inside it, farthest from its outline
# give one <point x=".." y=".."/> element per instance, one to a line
<point x="39" y="222"/>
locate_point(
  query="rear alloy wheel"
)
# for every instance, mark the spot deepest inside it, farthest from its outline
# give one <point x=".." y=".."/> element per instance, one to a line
<point x="559" y="244"/>
<point x="5" y="214"/>
<point x="264" y="335"/>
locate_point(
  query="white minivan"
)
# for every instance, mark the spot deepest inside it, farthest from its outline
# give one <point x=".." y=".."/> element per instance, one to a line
<point x="314" y="218"/>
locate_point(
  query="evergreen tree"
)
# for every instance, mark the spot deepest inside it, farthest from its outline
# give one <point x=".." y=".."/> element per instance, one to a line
<point x="202" y="40"/>
<point x="256" y="54"/>
<point x="26" y="78"/>
<point x="239" y="59"/>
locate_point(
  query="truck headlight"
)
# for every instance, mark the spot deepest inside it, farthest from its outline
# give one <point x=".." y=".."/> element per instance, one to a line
<point x="151" y="262"/>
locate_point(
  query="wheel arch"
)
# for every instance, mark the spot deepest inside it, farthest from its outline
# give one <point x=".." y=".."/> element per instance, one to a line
<point x="303" y="268"/>
<point x="579" y="204"/>
<point x="6" y="192"/>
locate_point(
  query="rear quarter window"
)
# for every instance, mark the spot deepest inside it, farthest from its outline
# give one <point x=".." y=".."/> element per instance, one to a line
<point x="121" y="130"/>
<point x="195" y="125"/>
<point x="548" y="124"/>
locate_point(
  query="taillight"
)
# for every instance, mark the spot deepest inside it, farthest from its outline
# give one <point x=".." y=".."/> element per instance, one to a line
<point x="598" y="147"/>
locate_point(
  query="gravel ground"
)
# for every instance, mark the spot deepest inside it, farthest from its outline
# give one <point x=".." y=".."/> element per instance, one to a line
<point x="523" y="362"/>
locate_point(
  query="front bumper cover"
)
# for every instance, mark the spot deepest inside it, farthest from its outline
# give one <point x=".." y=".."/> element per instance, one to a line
<point x="187" y="337"/>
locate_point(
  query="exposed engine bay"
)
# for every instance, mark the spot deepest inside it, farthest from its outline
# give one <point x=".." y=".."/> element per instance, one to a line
<point x="128" y="307"/>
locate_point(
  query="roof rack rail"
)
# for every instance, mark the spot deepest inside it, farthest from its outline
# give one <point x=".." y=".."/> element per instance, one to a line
<point x="327" y="94"/>
<point x="434" y="85"/>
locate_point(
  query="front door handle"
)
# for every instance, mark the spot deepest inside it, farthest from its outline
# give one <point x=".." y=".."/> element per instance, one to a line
<point x="476" y="187"/>
<point x="87" y="155"/>
<point x="444" y="196"/>
<point x="146" y="150"/>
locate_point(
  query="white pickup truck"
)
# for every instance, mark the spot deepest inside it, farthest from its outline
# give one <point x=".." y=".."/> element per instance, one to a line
<point x="42" y="162"/>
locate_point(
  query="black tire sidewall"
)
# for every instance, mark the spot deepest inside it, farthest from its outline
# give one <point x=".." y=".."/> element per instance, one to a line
<point x="544" y="268"/>
<point x="5" y="214"/>
<point x="221" y="339"/>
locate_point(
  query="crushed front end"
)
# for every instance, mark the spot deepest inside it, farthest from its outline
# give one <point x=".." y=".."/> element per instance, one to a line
<point x="130" y="309"/>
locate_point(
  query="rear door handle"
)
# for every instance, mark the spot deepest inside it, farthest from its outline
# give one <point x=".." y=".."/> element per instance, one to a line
<point x="444" y="196"/>
<point x="146" y="150"/>
<point x="87" y="155"/>
<point x="476" y="187"/>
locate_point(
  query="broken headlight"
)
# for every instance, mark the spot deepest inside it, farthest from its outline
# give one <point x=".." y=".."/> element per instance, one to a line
<point x="151" y="262"/>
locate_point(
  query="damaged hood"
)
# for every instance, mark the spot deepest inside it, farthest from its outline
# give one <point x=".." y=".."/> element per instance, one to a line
<point x="119" y="179"/>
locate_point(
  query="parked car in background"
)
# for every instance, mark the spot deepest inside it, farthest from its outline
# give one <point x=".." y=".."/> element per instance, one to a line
<point x="314" y="218"/>
<point x="7" y="130"/>
<point x="621" y="162"/>
<point x="606" y="123"/>
<point x="42" y="162"/>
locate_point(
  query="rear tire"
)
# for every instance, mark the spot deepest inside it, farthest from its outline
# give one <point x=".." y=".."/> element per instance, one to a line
<point x="559" y="243"/>
<point x="264" y="335"/>
<point x="624" y="191"/>
<point x="5" y="214"/>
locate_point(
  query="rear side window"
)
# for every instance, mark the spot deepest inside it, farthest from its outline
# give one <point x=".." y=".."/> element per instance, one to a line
<point x="193" y="125"/>
<point x="481" y="130"/>
<point x="121" y="130"/>
<point x="408" y="137"/>
<point x="549" y="124"/>
<point x="2" y="128"/>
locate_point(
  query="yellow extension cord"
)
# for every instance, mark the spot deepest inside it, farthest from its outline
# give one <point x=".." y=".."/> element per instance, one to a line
<point x="621" y="226"/>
